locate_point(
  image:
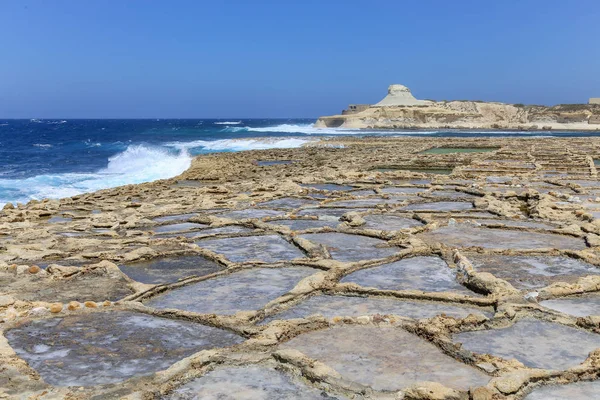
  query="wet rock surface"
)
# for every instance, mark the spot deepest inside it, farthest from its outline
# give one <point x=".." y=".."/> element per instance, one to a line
<point x="574" y="391"/>
<point x="170" y="269"/>
<point x="251" y="382"/>
<point x="529" y="272"/>
<point x="268" y="248"/>
<point x="429" y="274"/>
<point x="241" y="291"/>
<point x="332" y="306"/>
<point x="446" y="275"/>
<point x="473" y="236"/>
<point x="580" y="306"/>
<point x="344" y="247"/>
<point x="385" y="358"/>
<point x="108" y="347"/>
<point x="537" y="344"/>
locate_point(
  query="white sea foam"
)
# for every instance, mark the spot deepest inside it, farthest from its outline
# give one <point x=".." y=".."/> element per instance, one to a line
<point x="42" y="145"/>
<point x="228" y="123"/>
<point x="136" y="164"/>
<point x="309" y="129"/>
<point x="89" y="143"/>
<point x="242" y="144"/>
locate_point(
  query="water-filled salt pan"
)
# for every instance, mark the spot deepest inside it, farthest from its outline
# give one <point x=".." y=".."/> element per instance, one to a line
<point x="107" y="347"/>
<point x="385" y="358"/>
<point x="245" y="290"/>
<point x="269" y="248"/>
<point x="248" y="382"/>
<point x="537" y="344"/>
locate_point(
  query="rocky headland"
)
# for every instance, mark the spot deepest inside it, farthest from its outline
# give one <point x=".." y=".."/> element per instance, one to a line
<point x="400" y="110"/>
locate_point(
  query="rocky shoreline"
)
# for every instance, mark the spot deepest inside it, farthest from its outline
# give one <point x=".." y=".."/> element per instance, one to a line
<point x="400" y="110"/>
<point x="380" y="268"/>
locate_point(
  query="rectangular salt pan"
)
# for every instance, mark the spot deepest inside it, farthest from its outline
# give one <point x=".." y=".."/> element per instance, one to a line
<point x="430" y="274"/>
<point x="170" y="269"/>
<point x="247" y="382"/>
<point x="345" y="247"/>
<point x="465" y="235"/>
<point x="108" y="347"/>
<point x="385" y="358"/>
<point x="581" y="306"/>
<point x="251" y="213"/>
<point x="386" y="222"/>
<point x="245" y="290"/>
<point x="442" y="206"/>
<point x="350" y="306"/>
<point x="528" y="272"/>
<point x="269" y="248"/>
<point x="537" y="344"/>
<point x="571" y="391"/>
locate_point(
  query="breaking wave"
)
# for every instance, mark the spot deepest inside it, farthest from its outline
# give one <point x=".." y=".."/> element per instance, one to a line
<point x="228" y="123"/>
<point x="241" y="144"/>
<point x="136" y="164"/>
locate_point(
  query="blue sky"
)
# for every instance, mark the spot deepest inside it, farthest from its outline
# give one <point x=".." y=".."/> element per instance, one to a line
<point x="284" y="58"/>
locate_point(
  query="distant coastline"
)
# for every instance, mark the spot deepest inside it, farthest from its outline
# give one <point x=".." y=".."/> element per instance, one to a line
<point x="401" y="110"/>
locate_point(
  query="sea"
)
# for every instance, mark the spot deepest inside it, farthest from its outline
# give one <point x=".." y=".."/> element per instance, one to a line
<point x="55" y="158"/>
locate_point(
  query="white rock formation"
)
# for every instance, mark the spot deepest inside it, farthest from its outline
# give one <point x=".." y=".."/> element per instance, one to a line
<point x="400" y="95"/>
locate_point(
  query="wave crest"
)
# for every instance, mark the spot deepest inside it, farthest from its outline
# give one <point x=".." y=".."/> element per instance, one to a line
<point x="242" y="144"/>
<point x="137" y="164"/>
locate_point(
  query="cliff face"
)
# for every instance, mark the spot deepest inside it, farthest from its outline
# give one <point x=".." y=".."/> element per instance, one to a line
<point x="469" y="115"/>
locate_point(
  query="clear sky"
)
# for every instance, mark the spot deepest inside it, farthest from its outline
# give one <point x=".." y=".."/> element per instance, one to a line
<point x="288" y="58"/>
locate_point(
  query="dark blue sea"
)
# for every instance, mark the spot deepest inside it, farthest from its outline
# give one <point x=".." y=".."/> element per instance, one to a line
<point x="61" y="158"/>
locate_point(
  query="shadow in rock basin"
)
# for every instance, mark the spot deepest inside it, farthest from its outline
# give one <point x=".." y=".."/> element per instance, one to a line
<point x="109" y="347"/>
<point x="90" y="284"/>
<point x="170" y="269"/>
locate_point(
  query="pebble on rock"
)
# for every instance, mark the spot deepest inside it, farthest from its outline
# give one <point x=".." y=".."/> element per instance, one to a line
<point x="56" y="308"/>
<point x="34" y="269"/>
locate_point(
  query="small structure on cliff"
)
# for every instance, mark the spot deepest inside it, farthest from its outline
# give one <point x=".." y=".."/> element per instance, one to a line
<point x="355" y="108"/>
<point x="400" y="95"/>
<point x="595" y="100"/>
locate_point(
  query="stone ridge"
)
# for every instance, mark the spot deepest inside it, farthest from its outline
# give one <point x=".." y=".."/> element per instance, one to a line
<point x="401" y="110"/>
<point x="75" y="325"/>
